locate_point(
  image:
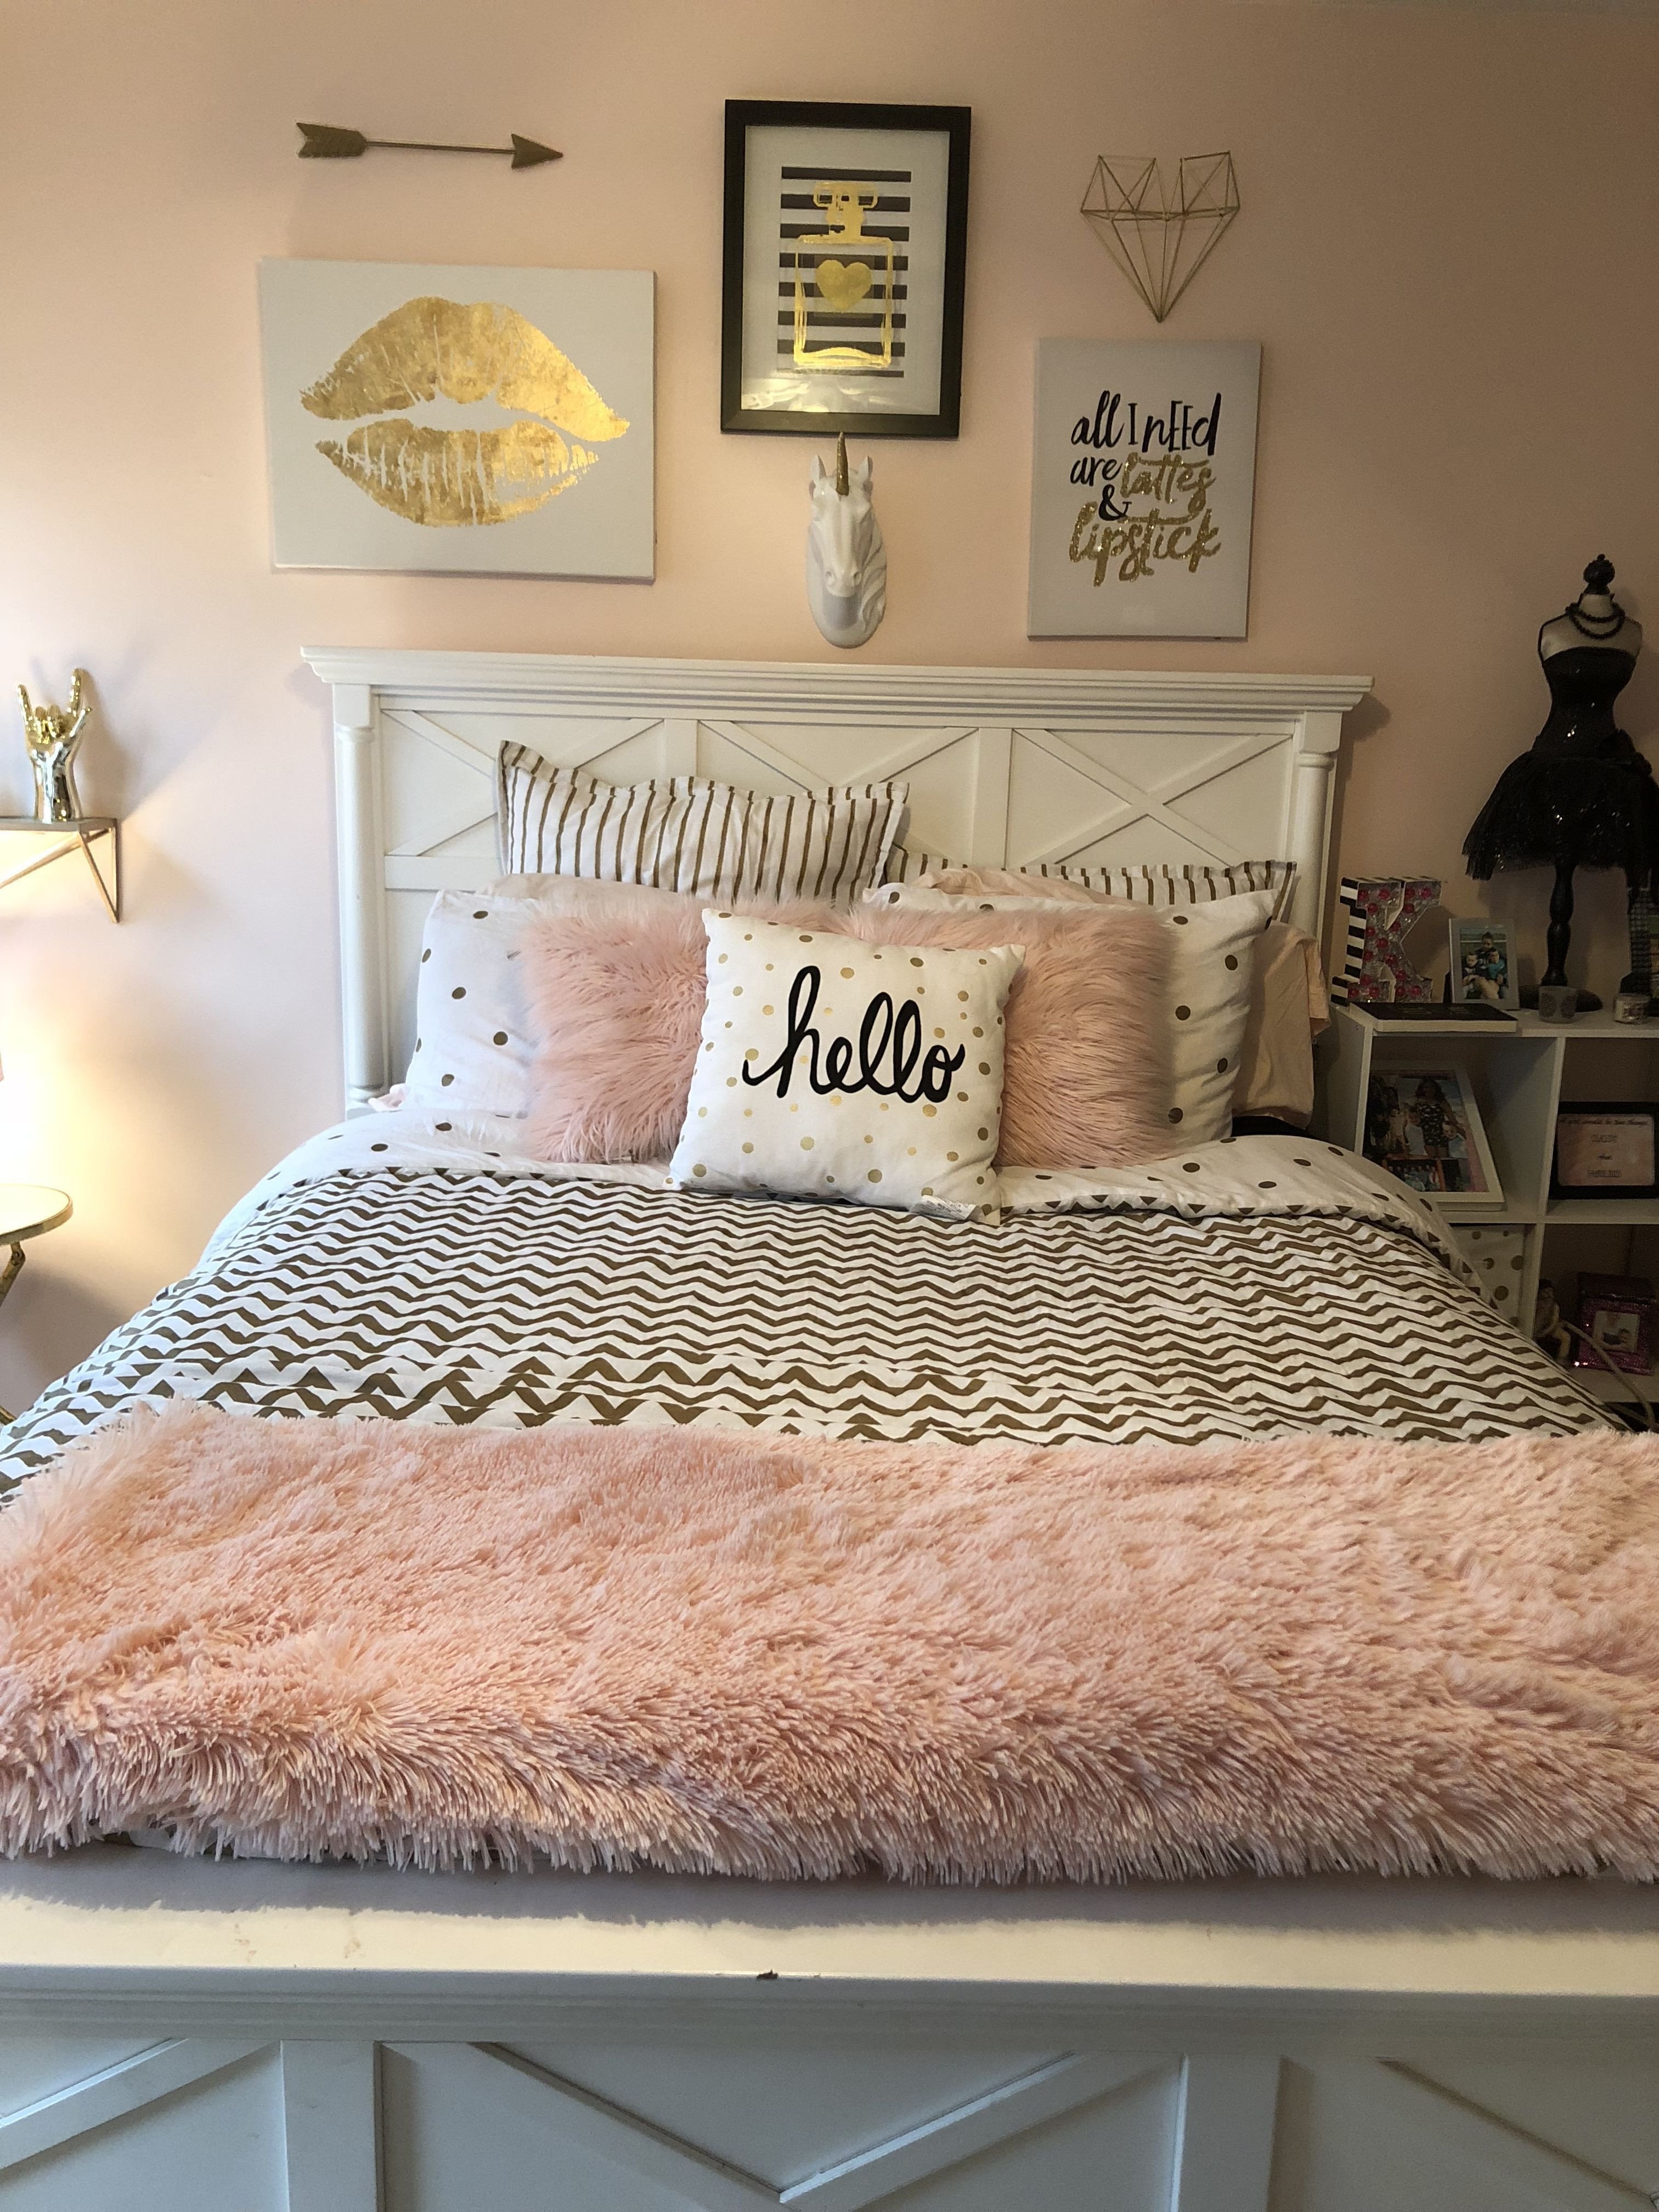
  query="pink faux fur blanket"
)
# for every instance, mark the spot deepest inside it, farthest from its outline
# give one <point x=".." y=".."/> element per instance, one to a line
<point x="617" y="1000"/>
<point x="781" y="1657"/>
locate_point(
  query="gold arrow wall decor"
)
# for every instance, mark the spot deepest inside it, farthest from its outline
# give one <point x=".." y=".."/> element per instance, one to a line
<point x="326" y="142"/>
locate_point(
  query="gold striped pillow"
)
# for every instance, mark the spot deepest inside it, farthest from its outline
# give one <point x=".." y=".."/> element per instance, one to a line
<point x="683" y="833"/>
<point x="1162" y="882"/>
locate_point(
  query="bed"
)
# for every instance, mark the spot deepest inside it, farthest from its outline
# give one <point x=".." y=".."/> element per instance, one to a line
<point x="185" y="2031"/>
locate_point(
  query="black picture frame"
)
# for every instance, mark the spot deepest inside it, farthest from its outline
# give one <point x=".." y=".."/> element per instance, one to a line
<point x="955" y="125"/>
<point x="1586" y="1109"/>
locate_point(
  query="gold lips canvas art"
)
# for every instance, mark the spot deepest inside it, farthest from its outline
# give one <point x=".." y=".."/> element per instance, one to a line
<point x="492" y="420"/>
<point x="434" y="349"/>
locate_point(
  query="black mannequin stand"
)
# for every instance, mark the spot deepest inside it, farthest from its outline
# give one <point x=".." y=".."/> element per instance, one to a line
<point x="1582" y="796"/>
<point x="1558" y="939"/>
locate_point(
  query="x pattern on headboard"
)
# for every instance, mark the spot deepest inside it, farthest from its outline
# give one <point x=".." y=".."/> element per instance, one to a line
<point x="1008" y="767"/>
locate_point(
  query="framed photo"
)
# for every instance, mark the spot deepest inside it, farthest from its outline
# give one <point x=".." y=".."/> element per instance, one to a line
<point x="1483" y="964"/>
<point x="1422" y="1124"/>
<point x="1622" y="1331"/>
<point x="1616" y="1313"/>
<point x="846" y="252"/>
<point x="1143" y="485"/>
<point x="471" y="421"/>
<point x="1606" y="1151"/>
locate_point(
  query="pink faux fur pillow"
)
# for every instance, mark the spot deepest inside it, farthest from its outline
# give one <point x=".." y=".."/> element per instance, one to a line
<point x="615" y="1005"/>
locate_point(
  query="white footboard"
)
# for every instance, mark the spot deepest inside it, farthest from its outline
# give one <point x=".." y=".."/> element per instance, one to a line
<point x="177" y="2035"/>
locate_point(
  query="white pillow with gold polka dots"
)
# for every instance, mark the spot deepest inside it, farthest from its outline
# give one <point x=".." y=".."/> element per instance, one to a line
<point x="472" y="1047"/>
<point x="1215" y="943"/>
<point x="1210" y="1001"/>
<point x="472" y="1051"/>
<point x="838" y="1069"/>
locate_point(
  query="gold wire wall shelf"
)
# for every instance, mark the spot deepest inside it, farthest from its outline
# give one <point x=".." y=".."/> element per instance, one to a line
<point x="82" y="831"/>
<point x="1160" y="248"/>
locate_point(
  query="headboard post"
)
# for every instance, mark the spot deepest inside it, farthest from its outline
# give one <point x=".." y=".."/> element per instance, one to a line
<point x="1312" y="794"/>
<point x="359" y="847"/>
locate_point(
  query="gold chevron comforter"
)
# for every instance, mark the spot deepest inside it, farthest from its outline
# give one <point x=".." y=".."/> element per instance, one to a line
<point x="419" y="1269"/>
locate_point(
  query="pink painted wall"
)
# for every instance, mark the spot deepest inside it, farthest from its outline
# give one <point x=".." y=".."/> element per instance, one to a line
<point x="1447" y="249"/>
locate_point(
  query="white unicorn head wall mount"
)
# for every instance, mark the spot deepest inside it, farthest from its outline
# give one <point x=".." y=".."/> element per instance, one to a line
<point x="846" y="555"/>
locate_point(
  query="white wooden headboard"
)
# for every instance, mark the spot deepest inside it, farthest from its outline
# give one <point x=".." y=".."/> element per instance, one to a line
<point x="1009" y="767"/>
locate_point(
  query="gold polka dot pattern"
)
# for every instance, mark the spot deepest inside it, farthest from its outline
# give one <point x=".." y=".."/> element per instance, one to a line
<point x="822" y="1070"/>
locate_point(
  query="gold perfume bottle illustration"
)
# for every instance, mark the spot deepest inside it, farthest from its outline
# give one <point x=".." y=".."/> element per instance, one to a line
<point x="842" y="280"/>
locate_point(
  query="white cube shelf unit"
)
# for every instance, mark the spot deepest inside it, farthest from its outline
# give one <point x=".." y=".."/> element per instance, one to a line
<point x="1520" y="1076"/>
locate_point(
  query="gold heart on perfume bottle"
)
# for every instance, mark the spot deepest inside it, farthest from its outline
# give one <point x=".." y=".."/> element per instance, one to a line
<point x="843" y="283"/>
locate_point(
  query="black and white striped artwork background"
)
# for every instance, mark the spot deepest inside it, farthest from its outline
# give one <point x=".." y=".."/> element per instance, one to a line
<point x="799" y="217"/>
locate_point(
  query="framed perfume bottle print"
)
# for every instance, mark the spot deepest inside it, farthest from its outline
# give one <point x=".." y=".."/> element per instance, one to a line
<point x="846" y="248"/>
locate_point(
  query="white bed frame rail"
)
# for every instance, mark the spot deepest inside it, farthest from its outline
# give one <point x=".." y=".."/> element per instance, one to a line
<point x="1008" y="767"/>
<point x="178" y="2035"/>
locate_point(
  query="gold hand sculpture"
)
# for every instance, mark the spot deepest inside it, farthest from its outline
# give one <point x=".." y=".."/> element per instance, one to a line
<point x="53" y="735"/>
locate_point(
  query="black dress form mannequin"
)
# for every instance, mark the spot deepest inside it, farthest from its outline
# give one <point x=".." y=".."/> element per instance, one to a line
<point x="1583" y="796"/>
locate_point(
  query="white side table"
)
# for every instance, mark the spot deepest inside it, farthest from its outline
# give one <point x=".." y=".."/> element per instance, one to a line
<point x="1521" y="1074"/>
<point x="27" y="1209"/>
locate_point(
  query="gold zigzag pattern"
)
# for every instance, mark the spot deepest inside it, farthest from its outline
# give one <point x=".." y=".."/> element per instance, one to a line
<point x="463" y="1297"/>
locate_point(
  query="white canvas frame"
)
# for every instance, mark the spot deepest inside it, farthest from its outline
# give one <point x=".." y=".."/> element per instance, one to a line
<point x="1143" y="456"/>
<point x="602" y="319"/>
<point x="1009" y="767"/>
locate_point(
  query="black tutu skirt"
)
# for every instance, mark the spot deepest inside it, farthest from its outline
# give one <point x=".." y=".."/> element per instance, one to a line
<point x="1549" y="808"/>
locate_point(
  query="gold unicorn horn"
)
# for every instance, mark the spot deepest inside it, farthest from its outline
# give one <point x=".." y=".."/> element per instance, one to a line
<point x="841" y="483"/>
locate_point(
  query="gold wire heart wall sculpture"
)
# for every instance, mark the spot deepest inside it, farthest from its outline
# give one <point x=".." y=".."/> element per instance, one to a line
<point x="1160" y="248"/>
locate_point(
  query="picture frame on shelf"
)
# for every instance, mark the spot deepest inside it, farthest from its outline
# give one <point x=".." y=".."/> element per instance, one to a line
<point x="1616" y="1312"/>
<point x="1483" y="969"/>
<point x="845" y="267"/>
<point x="1607" y="1149"/>
<point x="1423" y="1124"/>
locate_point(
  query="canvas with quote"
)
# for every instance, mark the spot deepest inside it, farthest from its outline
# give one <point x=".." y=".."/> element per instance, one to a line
<point x="1143" y="483"/>
<point x="473" y="420"/>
